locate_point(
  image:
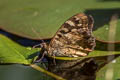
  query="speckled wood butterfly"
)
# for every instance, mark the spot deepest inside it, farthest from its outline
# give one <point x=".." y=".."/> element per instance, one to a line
<point x="73" y="39"/>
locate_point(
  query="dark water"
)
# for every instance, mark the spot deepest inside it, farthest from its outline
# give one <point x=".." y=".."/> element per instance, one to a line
<point x="20" y="72"/>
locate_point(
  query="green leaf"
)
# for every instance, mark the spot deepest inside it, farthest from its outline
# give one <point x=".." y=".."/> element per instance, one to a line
<point x="105" y="21"/>
<point x="41" y="19"/>
<point x="11" y="52"/>
<point x="94" y="54"/>
<point x="113" y="68"/>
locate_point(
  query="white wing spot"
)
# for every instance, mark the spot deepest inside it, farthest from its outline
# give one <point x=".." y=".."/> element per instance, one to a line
<point x="81" y="53"/>
<point x="70" y="23"/>
<point x="79" y="24"/>
<point x="65" y="29"/>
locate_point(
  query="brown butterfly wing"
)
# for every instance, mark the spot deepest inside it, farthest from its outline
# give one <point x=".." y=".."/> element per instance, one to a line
<point x="74" y="37"/>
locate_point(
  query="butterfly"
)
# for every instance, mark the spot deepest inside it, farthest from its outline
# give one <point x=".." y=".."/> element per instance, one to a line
<point x="73" y="39"/>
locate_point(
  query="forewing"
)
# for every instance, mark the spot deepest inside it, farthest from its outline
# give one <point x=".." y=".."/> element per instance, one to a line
<point x="74" y="37"/>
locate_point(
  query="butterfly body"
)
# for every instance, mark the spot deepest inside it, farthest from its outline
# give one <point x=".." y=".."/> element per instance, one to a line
<point x="74" y="38"/>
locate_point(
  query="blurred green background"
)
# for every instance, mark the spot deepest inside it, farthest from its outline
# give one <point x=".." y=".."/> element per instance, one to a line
<point x="40" y="19"/>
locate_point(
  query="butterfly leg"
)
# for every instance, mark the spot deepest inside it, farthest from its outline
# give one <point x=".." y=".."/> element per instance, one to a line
<point x="40" y="57"/>
<point x="42" y="52"/>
